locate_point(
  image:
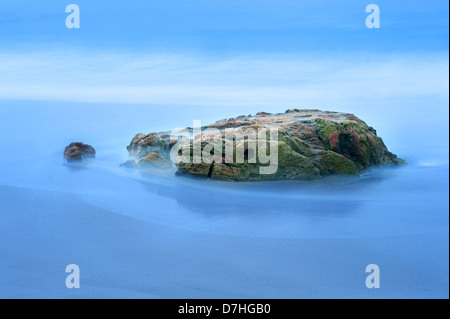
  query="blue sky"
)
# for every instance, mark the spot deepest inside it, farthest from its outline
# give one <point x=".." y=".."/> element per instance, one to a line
<point x="247" y="52"/>
<point x="231" y="26"/>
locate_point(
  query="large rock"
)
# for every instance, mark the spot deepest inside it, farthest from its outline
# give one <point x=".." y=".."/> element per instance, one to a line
<point x="311" y="144"/>
<point x="77" y="151"/>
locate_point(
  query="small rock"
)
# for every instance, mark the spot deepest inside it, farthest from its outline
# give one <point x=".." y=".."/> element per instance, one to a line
<point x="77" y="151"/>
<point x="156" y="160"/>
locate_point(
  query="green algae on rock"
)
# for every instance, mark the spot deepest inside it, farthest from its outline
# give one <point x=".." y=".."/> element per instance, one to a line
<point x="310" y="144"/>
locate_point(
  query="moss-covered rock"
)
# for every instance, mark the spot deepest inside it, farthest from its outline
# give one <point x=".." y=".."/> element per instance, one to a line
<point x="310" y="144"/>
<point x="333" y="163"/>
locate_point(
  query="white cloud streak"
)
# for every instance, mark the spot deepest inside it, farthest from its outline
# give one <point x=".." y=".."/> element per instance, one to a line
<point x="206" y="80"/>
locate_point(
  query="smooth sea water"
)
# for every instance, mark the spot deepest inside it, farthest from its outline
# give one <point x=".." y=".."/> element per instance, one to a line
<point x="163" y="236"/>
